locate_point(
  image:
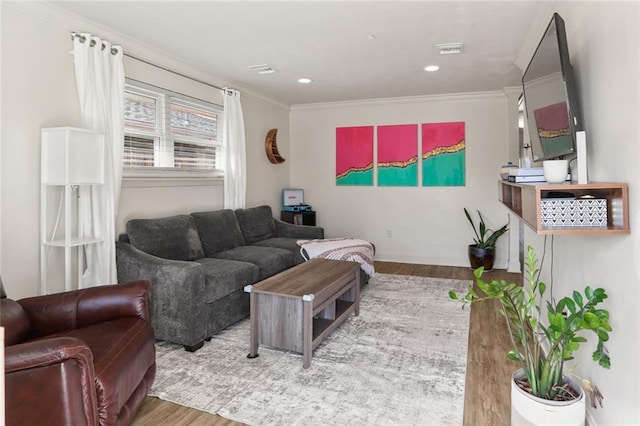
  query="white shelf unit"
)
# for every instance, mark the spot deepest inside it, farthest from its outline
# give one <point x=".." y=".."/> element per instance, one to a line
<point x="71" y="158"/>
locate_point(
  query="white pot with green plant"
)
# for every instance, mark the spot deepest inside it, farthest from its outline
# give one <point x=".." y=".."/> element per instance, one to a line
<point x="542" y="392"/>
<point x="482" y="253"/>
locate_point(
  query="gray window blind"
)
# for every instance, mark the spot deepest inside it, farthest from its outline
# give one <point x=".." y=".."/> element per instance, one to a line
<point x="165" y="130"/>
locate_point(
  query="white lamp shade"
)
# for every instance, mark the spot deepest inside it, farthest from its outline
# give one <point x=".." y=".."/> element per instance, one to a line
<point x="72" y="156"/>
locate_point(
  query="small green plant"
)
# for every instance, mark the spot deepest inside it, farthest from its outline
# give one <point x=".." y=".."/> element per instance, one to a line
<point x="485" y="238"/>
<point x="542" y="349"/>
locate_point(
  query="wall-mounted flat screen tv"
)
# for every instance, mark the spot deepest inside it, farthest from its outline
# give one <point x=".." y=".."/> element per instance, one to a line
<point x="551" y="98"/>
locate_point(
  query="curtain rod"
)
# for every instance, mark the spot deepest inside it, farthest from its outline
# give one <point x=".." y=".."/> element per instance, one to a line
<point x="114" y="51"/>
<point x="175" y="72"/>
<point x="92" y="43"/>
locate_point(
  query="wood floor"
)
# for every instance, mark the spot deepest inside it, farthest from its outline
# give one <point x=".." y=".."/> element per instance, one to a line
<point x="487" y="393"/>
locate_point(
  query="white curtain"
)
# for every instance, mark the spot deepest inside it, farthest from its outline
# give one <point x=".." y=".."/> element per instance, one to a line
<point x="100" y="83"/>
<point x="235" y="156"/>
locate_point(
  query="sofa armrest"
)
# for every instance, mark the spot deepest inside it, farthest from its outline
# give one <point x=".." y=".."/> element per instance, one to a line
<point x="70" y="310"/>
<point x="50" y="381"/>
<point x="289" y="230"/>
<point x="177" y="299"/>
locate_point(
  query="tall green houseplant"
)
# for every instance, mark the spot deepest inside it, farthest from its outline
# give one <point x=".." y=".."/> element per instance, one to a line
<point x="542" y="348"/>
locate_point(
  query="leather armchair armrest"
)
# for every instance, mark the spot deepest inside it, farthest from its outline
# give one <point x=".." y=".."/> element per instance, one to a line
<point x="289" y="230"/>
<point x="70" y="310"/>
<point x="50" y="381"/>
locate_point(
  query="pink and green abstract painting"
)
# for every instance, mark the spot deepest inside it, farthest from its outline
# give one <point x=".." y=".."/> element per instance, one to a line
<point x="354" y="156"/>
<point x="443" y="152"/>
<point x="398" y="155"/>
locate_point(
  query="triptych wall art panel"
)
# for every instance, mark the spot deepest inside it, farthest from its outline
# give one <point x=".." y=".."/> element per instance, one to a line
<point x="354" y="155"/>
<point x="442" y="148"/>
<point x="398" y="155"/>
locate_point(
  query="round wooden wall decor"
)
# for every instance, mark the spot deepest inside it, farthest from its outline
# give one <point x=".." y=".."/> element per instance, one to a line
<point x="271" y="147"/>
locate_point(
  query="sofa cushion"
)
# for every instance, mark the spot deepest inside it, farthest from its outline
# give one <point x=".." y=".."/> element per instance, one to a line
<point x="290" y="244"/>
<point x="223" y="276"/>
<point x="256" y="224"/>
<point x="218" y="230"/>
<point x="269" y="260"/>
<point x="174" y="237"/>
<point x="15" y="321"/>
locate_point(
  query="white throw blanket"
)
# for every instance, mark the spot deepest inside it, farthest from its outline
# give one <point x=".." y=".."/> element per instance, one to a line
<point x="350" y="249"/>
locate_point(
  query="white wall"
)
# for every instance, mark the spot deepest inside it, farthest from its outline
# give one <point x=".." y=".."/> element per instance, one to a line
<point x="427" y="224"/>
<point x="38" y="90"/>
<point x="604" y="45"/>
<point x="265" y="181"/>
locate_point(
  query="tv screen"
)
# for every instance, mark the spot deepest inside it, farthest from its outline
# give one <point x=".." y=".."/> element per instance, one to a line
<point x="550" y="96"/>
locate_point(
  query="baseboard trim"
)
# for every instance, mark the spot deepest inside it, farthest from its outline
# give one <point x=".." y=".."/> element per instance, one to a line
<point x="514" y="266"/>
<point x="500" y="263"/>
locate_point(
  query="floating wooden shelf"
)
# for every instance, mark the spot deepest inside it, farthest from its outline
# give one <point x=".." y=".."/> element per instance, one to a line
<point x="271" y="147"/>
<point x="524" y="200"/>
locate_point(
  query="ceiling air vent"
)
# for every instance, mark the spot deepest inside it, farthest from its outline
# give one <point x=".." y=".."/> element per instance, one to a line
<point x="262" y="69"/>
<point x="450" y="48"/>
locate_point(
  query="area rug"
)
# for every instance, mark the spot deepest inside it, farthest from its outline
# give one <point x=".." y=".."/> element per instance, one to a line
<point x="402" y="361"/>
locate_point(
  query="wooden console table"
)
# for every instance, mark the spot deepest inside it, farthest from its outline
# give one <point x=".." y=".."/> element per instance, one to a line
<point x="296" y="309"/>
<point x="524" y="200"/>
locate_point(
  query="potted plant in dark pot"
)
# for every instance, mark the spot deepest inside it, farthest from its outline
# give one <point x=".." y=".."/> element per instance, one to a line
<point x="541" y="391"/>
<point x="482" y="253"/>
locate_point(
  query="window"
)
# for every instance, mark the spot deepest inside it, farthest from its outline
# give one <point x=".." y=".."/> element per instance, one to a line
<point x="168" y="132"/>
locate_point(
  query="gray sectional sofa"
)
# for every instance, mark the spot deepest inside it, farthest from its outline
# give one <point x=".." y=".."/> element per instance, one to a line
<point x="198" y="265"/>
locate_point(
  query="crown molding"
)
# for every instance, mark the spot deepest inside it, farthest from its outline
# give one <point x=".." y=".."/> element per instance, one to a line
<point x="453" y="97"/>
<point x="68" y="21"/>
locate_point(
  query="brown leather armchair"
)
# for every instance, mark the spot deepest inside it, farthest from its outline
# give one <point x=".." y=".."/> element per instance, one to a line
<point x="83" y="357"/>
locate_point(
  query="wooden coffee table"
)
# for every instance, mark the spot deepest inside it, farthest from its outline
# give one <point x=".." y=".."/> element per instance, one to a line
<point x="297" y="308"/>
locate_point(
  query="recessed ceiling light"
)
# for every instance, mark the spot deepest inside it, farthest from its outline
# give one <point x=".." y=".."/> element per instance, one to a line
<point x="304" y="80"/>
<point x="431" y="68"/>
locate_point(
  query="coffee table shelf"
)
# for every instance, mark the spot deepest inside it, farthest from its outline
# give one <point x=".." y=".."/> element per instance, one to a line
<point x="322" y="327"/>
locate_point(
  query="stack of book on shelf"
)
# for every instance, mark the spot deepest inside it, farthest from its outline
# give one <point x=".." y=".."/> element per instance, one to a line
<point x="532" y="174"/>
<point x="522" y="175"/>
